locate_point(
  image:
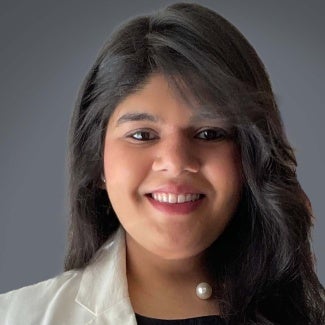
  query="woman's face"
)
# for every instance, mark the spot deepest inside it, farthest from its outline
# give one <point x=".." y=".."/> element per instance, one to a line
<point x="172" y="175"/>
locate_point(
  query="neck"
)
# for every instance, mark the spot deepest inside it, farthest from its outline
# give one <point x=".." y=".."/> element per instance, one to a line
<point x="156" y="284"/>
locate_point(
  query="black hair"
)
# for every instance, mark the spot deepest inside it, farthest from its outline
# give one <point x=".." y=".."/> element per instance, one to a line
<point x="262" y="263"/>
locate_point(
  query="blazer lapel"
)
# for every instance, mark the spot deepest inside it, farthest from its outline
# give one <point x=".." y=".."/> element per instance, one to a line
<point x="103" y="289"/>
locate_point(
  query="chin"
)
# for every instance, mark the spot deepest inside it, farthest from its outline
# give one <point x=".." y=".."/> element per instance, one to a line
<point x="178" y="253"/>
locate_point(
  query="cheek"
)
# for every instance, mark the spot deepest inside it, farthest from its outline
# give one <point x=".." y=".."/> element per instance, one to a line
<point x="124" y="166"/>
<point x="225" y="173"/>
<point x="119" y="174"/>
<point x="113" y="162"/>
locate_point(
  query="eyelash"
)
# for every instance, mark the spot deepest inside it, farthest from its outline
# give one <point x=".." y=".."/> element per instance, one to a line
<point x="132" y="135"/>
<point x="218" y="135"/>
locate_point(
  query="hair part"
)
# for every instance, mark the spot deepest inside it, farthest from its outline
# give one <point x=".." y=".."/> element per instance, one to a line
<point x="262" y="263"/>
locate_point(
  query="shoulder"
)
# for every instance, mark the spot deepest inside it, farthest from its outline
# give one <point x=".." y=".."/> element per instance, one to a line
<point x="40" y="288"/>
<point x="27" y="305"/>
<point x="97" y="293"/>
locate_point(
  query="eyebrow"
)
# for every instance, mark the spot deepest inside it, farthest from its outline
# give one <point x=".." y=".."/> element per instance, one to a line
<point x="130" y="117"/>
<point x="206" y="115"/>
<point x="141" y="116"/>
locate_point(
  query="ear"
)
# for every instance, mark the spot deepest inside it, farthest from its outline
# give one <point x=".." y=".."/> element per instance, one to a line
<point x="102" y="184"/>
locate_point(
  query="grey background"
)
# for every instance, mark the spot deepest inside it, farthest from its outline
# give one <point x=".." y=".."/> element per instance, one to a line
<point x="46" y="49"/>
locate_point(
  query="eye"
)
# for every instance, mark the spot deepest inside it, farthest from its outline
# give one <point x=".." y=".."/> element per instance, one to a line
<point x="212" y="134"/>
<point x="142" y="135"/>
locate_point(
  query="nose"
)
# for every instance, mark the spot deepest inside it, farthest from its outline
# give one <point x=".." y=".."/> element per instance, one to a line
<point x="176" y="155"/>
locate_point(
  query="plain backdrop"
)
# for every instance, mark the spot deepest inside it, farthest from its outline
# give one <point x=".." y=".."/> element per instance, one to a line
<point x="46" y="49"/>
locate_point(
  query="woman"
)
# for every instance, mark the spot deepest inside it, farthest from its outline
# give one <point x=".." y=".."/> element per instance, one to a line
<point x="185" y="205"/>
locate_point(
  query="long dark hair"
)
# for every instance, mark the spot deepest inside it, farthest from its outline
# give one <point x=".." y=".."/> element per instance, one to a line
<point x="262" y="263"/>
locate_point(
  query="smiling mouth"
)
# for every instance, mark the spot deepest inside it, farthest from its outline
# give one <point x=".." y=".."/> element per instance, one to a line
<point x="173" y="198"/>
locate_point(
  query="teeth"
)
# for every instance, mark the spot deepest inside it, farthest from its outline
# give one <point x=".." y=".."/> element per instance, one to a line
<point x="174" y="198"/>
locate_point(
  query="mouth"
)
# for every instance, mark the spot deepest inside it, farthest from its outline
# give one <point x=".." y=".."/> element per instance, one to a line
<point x="173" y="198"/>
<point x="172" y="203"/>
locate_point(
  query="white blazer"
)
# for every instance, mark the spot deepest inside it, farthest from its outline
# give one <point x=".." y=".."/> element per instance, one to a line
<point x="97" y="294"/>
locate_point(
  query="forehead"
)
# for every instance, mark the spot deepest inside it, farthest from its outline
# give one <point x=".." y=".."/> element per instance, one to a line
<point x="158" y="97"/>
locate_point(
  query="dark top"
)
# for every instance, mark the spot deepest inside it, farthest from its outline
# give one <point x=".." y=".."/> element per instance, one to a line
<point x="205" y="320"/>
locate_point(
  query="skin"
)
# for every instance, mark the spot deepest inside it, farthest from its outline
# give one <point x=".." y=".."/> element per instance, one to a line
<point x="168" y="144"/>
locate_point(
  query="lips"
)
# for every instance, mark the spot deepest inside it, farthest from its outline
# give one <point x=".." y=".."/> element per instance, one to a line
<point x="176" y="198"/>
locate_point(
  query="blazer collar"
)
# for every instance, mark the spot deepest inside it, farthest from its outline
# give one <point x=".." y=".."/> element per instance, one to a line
<point x="103" y="282"/>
